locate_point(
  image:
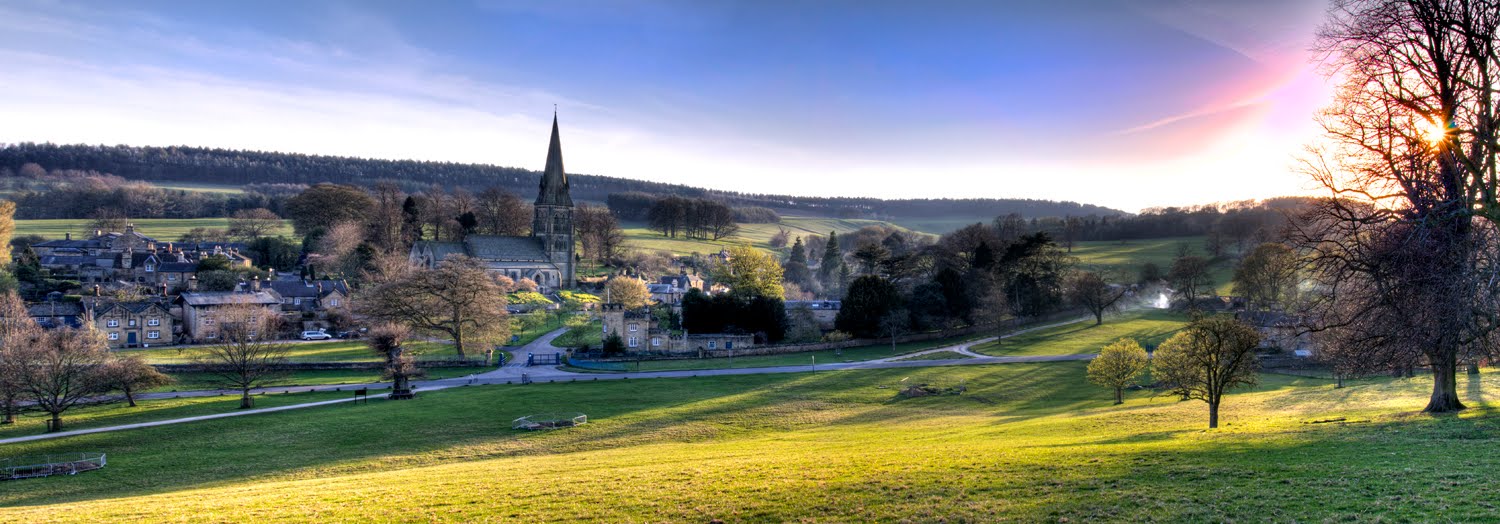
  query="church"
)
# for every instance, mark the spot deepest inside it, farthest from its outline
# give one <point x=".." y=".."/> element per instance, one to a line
<point x="546" y="257"/>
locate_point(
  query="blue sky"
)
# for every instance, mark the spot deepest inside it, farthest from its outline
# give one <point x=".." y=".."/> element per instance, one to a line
<point x="1126" y="104"/>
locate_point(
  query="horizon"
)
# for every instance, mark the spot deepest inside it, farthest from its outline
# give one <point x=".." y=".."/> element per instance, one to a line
<point x="1207" y="102"/>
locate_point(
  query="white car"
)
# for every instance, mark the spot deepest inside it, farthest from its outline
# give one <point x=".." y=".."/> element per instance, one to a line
<point x="315" y="335"/>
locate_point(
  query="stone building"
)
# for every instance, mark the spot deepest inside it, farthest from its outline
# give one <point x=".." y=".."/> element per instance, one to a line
<point x="147" y="322"/>
<point x="639" y="330"/>
<point x="546" y="257"/>
<point x="130" y="257"/>
<point x="201" y="309"/>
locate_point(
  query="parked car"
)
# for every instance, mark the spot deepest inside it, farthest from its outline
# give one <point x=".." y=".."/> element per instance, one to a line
<point x="315" y="335"/>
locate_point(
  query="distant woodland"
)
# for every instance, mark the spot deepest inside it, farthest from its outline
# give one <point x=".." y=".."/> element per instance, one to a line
<point x="239" y="168"/>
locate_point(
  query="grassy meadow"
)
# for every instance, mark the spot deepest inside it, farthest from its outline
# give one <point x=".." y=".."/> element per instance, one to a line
<point x="1025" y="442"/>
<point x="1149" y="327"/>
<point x="163" y="229"/>
<point x="638" y="236"/>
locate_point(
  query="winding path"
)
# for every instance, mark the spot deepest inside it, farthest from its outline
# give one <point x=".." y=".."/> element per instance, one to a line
<point x="514" y="371"/>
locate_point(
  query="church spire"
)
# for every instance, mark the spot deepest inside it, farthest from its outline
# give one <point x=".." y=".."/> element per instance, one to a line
<point x="554" y="190"/>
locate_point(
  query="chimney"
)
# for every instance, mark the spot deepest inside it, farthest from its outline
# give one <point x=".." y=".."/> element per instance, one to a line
<point x="151" y="246"/>
<point x="193" y="283"/>
<point x="67" y="236"/>
<point x="128" y="257"/>
<point x="255" y="284"/>
<point x="96" y="290"/>
<point x="98" y="232"/>
<point x="129" y="228"/>
<point x="320" y="289"/>
<point x="163" y="289"/>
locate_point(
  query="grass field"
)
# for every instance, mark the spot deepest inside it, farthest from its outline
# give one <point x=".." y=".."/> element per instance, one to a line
<point x="163" y="229"/>
<point x="193" y="381"/>
<point x="940" y="225"/>
<point x="1149" y="327"/>
<point x="806" y="358"/>
<point x="637" y="236"/>
<point x="1026" y="442"/>
<point x="1123" y="259"/>
<point x="199" y="187"/>
<point x="329" y="351"/>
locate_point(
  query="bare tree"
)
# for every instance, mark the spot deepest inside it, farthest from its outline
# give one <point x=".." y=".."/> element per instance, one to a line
<point x="16" y="326"/>
<point x="1090" y="290"/>
<point x="1207" y="359"/>
<point x="599" y="233"/>
<point x="389" y="341"/>
<point x="1267" y="277"/>
<point x="59" y="369"/>
<point x="501" y="212"/>
<point x="245" y="353"/>
<point x="250" y="224"/>
<point x="457" y="299"/>
<point x="1404" y="252"/>
<point x="334" y="252"/>
<point x="130" y="374"/>
<point x="1190" y="276"/>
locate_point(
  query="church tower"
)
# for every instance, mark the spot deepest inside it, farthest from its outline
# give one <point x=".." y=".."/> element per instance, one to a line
<point x="552" y="224"/>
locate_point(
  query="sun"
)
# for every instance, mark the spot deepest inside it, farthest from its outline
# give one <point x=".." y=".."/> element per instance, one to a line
<point x="1432" y="132"/>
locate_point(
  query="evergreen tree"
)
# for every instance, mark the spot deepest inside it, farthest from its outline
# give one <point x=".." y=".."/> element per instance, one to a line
<point x="795" y="269"/>
<point x="832" y="257"/>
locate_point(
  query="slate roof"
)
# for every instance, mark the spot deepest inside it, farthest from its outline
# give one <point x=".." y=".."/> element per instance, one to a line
<point x="304" y="289"/>
<point x="220" y="298"/>
<point x="63" y="309"/>
<point x="488" y="247"/>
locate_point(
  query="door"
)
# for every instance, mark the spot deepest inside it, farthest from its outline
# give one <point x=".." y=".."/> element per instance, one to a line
<point x="130" y="339"/>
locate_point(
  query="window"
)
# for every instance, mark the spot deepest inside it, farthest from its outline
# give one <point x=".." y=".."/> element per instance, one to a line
<point x="113" y="322"/>
<point x="171" y="277"/>
<point x="297" y="301"/>
<point x="131" y="322"/>
<point x="208" y="320"/>
<point x="634" y="341"/>
<point x="150" y="268"/>
<point x="728" y="344"/>
<point x="153" y="322"/>
<point x="211" y="334"/>
<point x="334" y="302"/>
<point x="153" y="335"/>
<point x="712" y="344"/>
<point x="634" y="327"/>
<point x="114" y="336"/>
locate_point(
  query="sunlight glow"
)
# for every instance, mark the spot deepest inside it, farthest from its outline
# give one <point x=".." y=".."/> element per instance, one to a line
<point x="1433" y="132"/>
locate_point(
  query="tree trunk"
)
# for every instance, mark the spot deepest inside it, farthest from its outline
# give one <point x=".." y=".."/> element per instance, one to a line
<point x="10" y="411"/>
<point x="55" y="424"/>
<point x="1119" y="396"/>
<point x="1099" y="317"/>
<point x="129" y="397"/>
<point x="1474" y="368"/>
<point x="458" y="339"/>
<point x="246" y="401"/>
<point x="1213" y="414"/>
<point x="1444" y="385"/>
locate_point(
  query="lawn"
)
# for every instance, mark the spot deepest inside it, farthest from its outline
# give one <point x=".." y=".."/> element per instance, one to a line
<point x="637" y="235"/>
<point x="1122" y="259"/>
<point x="806" y="358"/>
<point x="198" y="187"/>
<point x="193" y="381"/>
<point x="329" y="351"/>
<point x="150" y="410"/>
<point x="1025" y="442"/>
<point x="1149" y="327"/>
<point x="163" y="229"/>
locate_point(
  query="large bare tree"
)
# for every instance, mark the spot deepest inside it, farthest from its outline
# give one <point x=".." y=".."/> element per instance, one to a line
<point x="245" y="353"/>
<point x="1404" y="252"/>
<point x="15" y="324"/>
<point x="59" y="369"/>
<point x="458" y="299"/>
<point x="1090" y="290"/>
<point x="389" y="341"/>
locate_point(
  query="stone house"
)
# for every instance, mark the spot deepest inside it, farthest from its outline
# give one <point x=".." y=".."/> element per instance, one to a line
<point x="639" y="330"/>
<point x="824" y="311"/>
<point x="129" y="257"/>
<point x="201" y="309"/>
<point x="309" y="302"/>
<point x="147" y="322"/>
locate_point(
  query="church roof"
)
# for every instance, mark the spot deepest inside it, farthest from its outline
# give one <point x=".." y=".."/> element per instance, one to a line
<point x="490" y="247"/>
<point x="554" y="190"/>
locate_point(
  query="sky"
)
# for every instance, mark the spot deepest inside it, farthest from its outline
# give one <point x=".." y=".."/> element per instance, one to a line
<point x="1127" y="104"/>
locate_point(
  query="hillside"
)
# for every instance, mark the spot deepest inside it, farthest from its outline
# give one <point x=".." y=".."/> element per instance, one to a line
<point x="205" y="167"/>
<point x="1025" y="442"/>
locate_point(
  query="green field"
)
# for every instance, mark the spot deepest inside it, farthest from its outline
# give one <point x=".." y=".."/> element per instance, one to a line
<point x="1122" y="259"/>
<point x="940" y="225"/>
<point x="1149" y="327"/>
<point x="1025" y="442"/>
<point x="199" y="187"/>
<point x="329" y="351"/>
<point x="637" y="236"/>
<point x="163" y="229"/>
<point x="806" y="358"/>
<point x="195" y="381"/>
